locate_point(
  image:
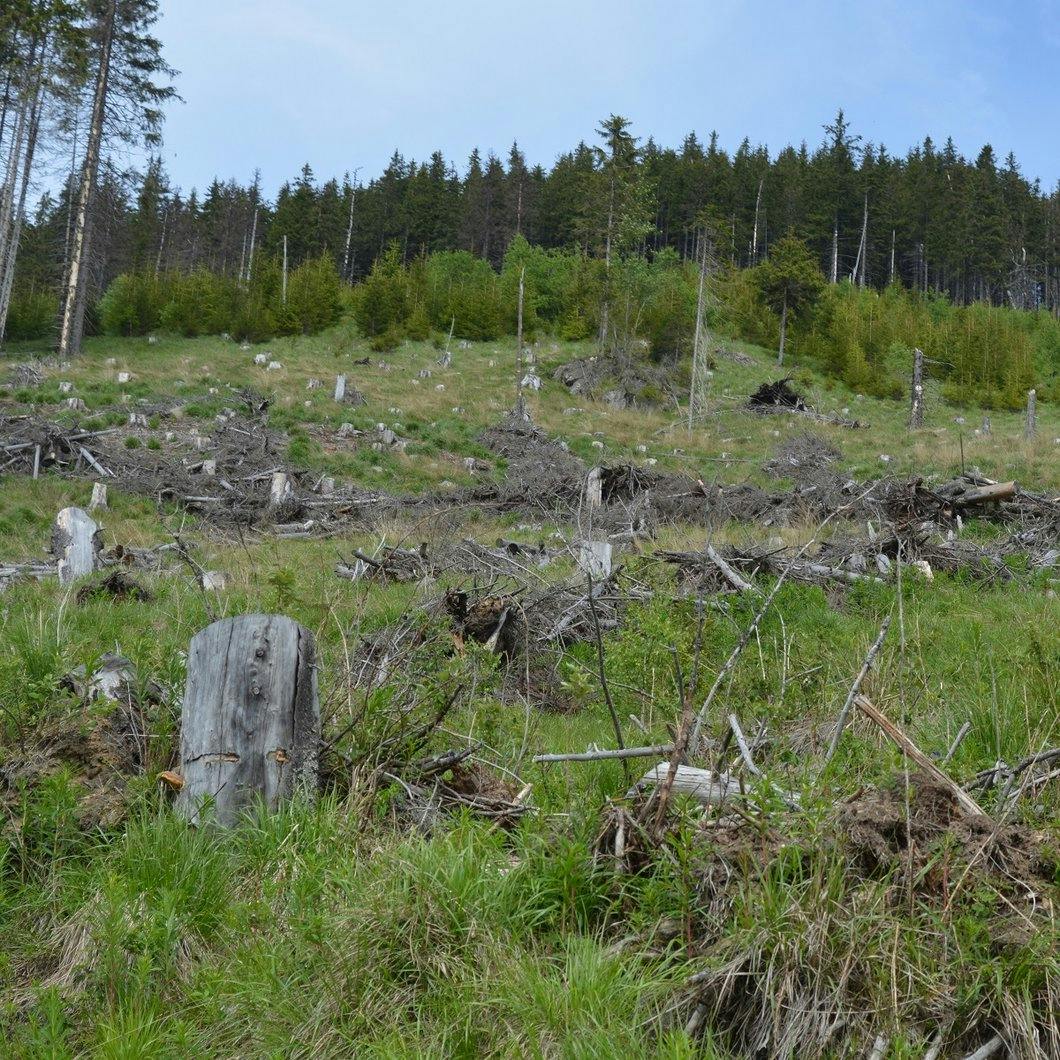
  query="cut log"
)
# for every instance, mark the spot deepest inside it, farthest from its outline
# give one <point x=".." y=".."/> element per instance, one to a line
<point x="703" y="785"/>
<point x="996" y="491"/>
<point x="75" y="544"/>
<point x="961" y="797"/>
<point x="728" y="573"/>
<point x="250" y="724"/>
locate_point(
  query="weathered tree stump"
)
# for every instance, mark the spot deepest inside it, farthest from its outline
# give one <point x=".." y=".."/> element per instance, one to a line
<point x="280" y="489"/>
<point x="250" y="724"/>
<point x="594" y="488"/>
<point x="75" y="544"/>
<point x="916" y="402"/>
<point x="594" y="559"/>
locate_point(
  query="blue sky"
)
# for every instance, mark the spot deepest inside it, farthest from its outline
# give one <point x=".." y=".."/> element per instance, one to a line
<point x="275" y="83"/>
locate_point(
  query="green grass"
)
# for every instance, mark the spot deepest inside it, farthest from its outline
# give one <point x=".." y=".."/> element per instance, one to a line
<point x="339" y="930"/>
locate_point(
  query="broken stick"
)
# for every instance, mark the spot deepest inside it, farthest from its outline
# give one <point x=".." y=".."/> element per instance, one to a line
<point x="910" y="749"/>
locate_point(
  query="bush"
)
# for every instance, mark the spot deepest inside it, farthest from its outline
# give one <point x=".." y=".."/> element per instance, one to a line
<point x="132" y="305"/>
<point x="31" y="315"/>
<point x="463" y="290"/>
<point x="313" y="300"/>
<point x="389" y="340"/>
<point x="200" y="303"/>
<point x="418" y="327"/>
<point x="382" y="300"/>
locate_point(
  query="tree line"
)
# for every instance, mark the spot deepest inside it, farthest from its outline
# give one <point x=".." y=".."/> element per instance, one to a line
<point x="80" y="77"/>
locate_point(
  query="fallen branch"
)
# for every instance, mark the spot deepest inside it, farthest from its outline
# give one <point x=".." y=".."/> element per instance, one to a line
<point x="727" y="572"/>
<point x="910" y="749"/>
<point x="855" y="688"/>
<point x="601" y="756"/>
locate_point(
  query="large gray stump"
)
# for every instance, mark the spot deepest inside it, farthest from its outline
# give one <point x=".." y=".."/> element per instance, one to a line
<point x="250" y="725"/>
<point x="75" y="544"/>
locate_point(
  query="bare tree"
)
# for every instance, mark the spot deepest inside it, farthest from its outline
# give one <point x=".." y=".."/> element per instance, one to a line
<point x="72" y="325"/>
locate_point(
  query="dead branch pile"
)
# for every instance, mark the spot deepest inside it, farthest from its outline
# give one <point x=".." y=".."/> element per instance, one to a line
<point x="618" y="383"/>
<point x="780" y="397"/>
<point x="235" y="476"/>
<point x="778" y="394"/>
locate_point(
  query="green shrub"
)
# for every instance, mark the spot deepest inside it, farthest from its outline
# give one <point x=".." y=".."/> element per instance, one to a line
<point x="313" y="301"/>
<point x="200" y="303"/>
<point x="132" y="305"/>
<point x="389" y="340"/>
<point x="31" y="315"/>
<point x="382" y="300"/>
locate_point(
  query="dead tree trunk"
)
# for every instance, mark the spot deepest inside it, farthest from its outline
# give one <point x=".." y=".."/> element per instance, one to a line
<point x="754" y="238"/>
<point x="75" y="544"/>
<point x="834" y="271"/>
<point x="916" y="402"/>
<point x="519" y="399"/>
<point x="349" y="236"/>
<point x="594" y="488"/>
<point x="73" y="299"/>
<point x="283" y="288"/>
<point x="595" y="559"/>
<point x="253" y="239"/>
<point x="696" y="400"/>
<point x="10" y="259"/>
<point x="250" y="724"/>
<point x="783" y="328"/>
<point x="863" y="250"/>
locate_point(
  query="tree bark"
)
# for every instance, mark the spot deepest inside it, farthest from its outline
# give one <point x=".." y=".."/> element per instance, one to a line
<point x="72" y="326"/>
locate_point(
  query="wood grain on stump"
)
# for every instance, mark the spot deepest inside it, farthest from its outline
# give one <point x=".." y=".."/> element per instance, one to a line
<point x="250" y="725"/>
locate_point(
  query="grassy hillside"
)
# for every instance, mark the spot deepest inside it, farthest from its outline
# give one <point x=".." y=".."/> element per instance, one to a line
<point x="839" y="903"/>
